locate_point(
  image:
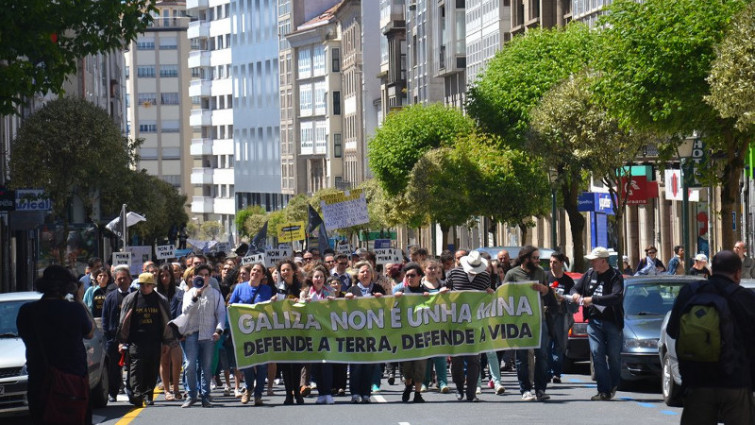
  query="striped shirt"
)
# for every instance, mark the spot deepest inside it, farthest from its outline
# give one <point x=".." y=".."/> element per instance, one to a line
<point x="458" y="280"/>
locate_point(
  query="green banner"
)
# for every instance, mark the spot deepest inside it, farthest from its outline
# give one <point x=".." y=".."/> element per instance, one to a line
<point x="386" y="329"/>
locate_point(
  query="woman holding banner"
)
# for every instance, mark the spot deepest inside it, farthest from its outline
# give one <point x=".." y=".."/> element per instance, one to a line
<point x="290" y="290"/>
<point x="433" y="284"/>
<point x="317" y="290"/>
<point x="253" y="292"/>
<point x="413" y="370"/>
<point x="361" y="374"/>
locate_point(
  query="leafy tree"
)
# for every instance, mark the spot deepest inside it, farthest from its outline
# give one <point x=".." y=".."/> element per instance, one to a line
<point x="521" y="73"/>
<point x="41" y="41"/>
<point x="655" y="58"/>
<point x="732" y="76"/>
<point x="440" y="187"/>
<point x="250" y="220"/>
<point x="210" y="229"/>
<point x="406" y="135"/>
<point x="574" y="133"/>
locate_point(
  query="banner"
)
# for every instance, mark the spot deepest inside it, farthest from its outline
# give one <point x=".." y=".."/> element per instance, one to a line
<point x="386" y="329"/>
<point x="290" y="232"/>
<point x="344" y="209"/>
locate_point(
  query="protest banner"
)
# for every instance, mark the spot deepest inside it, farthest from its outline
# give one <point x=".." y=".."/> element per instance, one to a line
<point x="164" y="252"/>
<point x="254" y="258"/>
<point x="290" y="232"/>
<point x="386" y="329"/>
<point x="276" y="255"/>
<point x="122" y="259"/>
<point x="344" y="209"/>
<point x="139" y="255"/>
<point x="388" y="255"/>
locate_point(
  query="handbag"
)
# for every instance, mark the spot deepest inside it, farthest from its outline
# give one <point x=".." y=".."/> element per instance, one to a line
<point x="66" y="397"/>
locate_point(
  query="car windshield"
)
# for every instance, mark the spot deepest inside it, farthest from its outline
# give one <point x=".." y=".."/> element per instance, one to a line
<point x="8" y="314"/>
<point x="650" y="299"/>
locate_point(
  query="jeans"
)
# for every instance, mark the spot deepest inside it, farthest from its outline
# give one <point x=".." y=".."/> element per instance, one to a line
<point x="255" y="377"/>
<point x="441" y="371"/>
<point x="542" y="364"/>
<point x="198" y="353"/>
<point x="558" y="344"/>
<point x="605" y="342"/>
<point x="494" y="365"/>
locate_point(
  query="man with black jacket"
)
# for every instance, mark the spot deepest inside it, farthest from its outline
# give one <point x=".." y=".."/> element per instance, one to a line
<point x="111" y="317"/>
<point x="601" y="292"/>
<point x="717" y="392"/>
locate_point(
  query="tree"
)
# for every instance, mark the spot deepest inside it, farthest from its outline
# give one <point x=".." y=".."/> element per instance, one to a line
<point x="573" y="133"/>
<point x="521" y="73"/>
<point x="41" y="41"/>
<point x="406" y="135"/>
<point x="210" y="229"/>
<point x="250" y="220"/>
<point x="655" y="58"/>
<point x="732" y="76"/>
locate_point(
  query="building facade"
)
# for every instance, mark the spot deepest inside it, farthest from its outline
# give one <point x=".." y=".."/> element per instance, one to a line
<point x="393" y="93"/>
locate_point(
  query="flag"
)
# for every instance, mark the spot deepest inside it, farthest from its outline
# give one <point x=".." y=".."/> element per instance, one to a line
<point x="131" y="219"/>
<point x="314" y="220"/>
<point x="258" y="242"/>
<point x="322" y="239"/>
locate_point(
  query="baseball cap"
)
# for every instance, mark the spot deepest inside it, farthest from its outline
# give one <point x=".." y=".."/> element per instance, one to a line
<point x="701" y="257"/>
<point x="598" y="252"/>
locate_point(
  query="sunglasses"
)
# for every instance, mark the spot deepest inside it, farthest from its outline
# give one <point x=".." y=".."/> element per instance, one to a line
<point x="410" y="275"/>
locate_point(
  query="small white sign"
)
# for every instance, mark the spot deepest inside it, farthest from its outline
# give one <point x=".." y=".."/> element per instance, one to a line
<point x="165" y="252"/>
<point x="254" y="258"/>
<point x="275" y="255"/>
<point x="122" y="259"/>
<point x="344" y="248"/>
<point x="387" y="255"/>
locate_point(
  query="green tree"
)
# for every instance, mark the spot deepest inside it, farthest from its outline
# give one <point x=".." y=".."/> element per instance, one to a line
<point x="406" y="135"/>
<point x="41" y="41"/>
<point x="250" y="220"/>
<point x="732" y="76"/>
<point x="655" y="58"/>
<point x="521" y="73"/>
<point x="210" y="229"/>
<point x="573" y="133"/>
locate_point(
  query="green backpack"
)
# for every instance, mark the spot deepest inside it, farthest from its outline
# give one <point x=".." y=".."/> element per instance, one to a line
<point x="706" y="327"/>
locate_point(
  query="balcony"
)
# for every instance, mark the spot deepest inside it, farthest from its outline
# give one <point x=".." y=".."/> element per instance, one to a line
<point x="199" y="88"/>
<point x="197" y="4"/>
<point x="201" y="176"/>
<point x="199" y="58"/>
<point x="200" y="118"/>
<point x="198" y="29"/>
<point x="201" y="205"/>
<point x="200" y="147"/>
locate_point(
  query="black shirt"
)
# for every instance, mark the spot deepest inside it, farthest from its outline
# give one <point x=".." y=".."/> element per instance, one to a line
<point x="563" y="286"/>
<point x="146" y="322"/>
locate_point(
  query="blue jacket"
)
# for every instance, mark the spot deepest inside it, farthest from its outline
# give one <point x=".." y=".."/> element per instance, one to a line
<point x="111" y="314"/>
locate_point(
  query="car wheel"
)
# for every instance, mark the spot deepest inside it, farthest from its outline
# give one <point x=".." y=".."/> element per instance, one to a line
<point x="100" y="392"/>
<point x="672" y="393"/>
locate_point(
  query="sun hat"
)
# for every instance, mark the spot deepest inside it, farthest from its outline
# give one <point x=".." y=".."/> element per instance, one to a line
<point x="473" y="263"/>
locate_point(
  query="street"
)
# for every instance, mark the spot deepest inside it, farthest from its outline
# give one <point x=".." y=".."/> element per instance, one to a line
<point x="569" y="404"/>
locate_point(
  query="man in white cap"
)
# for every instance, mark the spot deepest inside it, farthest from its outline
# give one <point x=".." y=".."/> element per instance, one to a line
<point x="529" y="270"/>
<point x="601" y="292"/>
<point x="471" y="275"/>
<point x="699" y="267"/>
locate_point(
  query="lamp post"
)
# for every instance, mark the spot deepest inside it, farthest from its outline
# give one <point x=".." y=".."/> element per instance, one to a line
<point x="686" y="172"/>
<point x="553" y="178"/>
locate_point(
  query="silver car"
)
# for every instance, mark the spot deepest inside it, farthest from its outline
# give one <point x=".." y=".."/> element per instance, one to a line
<point x="13" y="375"/>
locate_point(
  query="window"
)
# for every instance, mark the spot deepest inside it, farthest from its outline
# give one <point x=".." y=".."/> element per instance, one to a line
<point x="305" y="100"/>
<point x="170" y="126"/>
<point x="169" y="70"/>
<point x="306" y="139"/>
<point x="318" y="61"/>
<point x="336" y="103"/>
<point x="128" y="71"/>
<point x="321" y="137"/>
<point x="320" y="97"/>
<point x="337" y="147"/>
<point x="145" y="43"/>
<point x="148" y="153"/>
<point x="168" y="43"/>
<point x="146" y="71"/>
<point x="305" y="63"/>
<point x="147" y="99"/>
<point x="336" y="60"/>
<point x="169" y="98"/>
<point x="147" y="127"/>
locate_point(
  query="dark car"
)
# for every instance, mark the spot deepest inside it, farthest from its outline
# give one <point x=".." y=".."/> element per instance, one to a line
<point x="577" y="344"/>
<point x="671" y="379"/>
<point x="647" y="299"/>
<point x="13" y="374"/>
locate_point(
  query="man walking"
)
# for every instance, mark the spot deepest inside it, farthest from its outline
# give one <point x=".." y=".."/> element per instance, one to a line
<point x="676" y="264"/>
<point x="206" y="310"/>
<point x="111" y="318"/>
<point x="748" y="264"/>
<point x="601" y="292"/>
<point x="471" y="275"/>
<point x="720" y="391"/>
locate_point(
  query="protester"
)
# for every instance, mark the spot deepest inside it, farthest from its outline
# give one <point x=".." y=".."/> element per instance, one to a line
<point x="433" y="284"/>
<point x="559" y="317"/>
<point x="315" y="289"/>
<point x="94" y="297"/>
<point x="53" y="330"/>
<point x="172" y="355"/>
<point x="699" y="268"/>
<point x="291" y="290"/>
<point x="413" y="370"/>
<point x="676" y="263"/>
<point x="111" y="318"/>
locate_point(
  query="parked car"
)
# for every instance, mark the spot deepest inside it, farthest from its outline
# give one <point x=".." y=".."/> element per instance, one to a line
<point x="671" y="379"/>
<point x="577" y="344"/>
<point x="647" y="299"/>
<point x="13" y="374"/>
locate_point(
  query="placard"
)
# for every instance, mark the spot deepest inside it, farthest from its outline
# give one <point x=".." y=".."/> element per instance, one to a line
<point x="122" y="259"/>
<point x="388" y="255"/>
<point x="290" y="232"/>
<point x="344" y="209"/>
<point x="164" y="252"/>
<point x="275" y="255"/>
<point x="254" y="258"/>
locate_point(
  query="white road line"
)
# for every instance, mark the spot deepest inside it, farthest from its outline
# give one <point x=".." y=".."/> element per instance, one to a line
<point x="404" y="423"/>
<point x="380" y="399"/>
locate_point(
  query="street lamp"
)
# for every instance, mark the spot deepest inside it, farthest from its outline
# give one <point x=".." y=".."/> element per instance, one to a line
<point x="685" y="171"/>
<point x="553" y="178"/>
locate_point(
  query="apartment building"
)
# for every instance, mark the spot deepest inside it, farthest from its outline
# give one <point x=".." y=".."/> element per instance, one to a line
<point x="449" y="59"/>
<point x="588" y="11"/>
<point x="392" y="57"/>
<point x="256" y="104"/>
<point x="211" y="116"/>
<point x="157" y="96"/>
<point x="423" y="85"/>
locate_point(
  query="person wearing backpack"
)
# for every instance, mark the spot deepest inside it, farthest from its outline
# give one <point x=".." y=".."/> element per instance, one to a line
<point x="601" y="291"/>
<point x="712" y="323"/>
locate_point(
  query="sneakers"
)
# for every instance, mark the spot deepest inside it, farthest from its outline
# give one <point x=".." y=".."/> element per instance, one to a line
<point x="491" y="384"/>
<point x="189" y="402"/>
<point x="542" y="396"/>
<point x="227" y="392"/>
<point x="238" y="393"/>
<point x="375" y="389"/>
<point x="459" y="395"/>
<point x="423" y="389"/>
<point x="258" y="401"/>
<point x="418" y="398"/>
<point x="601" y="397"/>
<point x="556" y="379"/>
<point x="613" y="392"/>
<point x="444" y="389"/>
<point x="391" y="378"/>
<point x="245" y="397"/>
<point x="355" y="399"/>
<point x="479" y="390"/>
<point x="500" y="389"/>
<point x="406" y="394"/>
<point x="366" y="399"/>
<point x="206" y="403"/>
<point x="528" y="396"/>
<point x="112" y="398"/>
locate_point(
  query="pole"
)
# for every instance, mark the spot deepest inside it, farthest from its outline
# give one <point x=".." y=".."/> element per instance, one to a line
<point x="554" y="218"/>
<point x="685" y="212"/>
<point x="124" y="236"/>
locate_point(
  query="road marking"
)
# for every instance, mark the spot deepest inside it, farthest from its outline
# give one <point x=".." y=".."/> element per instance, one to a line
<point x="380" y="399"/>
<point x="669" y="412"/>
<point x="130" y="416"/>
<point x="404" y="423"/>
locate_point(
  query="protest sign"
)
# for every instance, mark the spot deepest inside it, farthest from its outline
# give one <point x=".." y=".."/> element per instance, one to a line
<point x="290" y="232"/>
<point x="344" y="209"/>
<point x="276" y="255"/>
<point x="164" y="252"/>
<point x="388" y="255"/>
<point x="140" y="255"/>
<point x="122" y="259"/>
<point x="386" y="329"/>
<point x="254" y="258"/>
